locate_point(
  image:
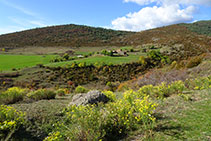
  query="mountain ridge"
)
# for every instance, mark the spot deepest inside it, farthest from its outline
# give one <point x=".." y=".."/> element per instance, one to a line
<point x="72" y="35"/>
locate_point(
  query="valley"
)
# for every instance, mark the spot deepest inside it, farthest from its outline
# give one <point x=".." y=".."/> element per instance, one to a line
<point x="150" y="85"/>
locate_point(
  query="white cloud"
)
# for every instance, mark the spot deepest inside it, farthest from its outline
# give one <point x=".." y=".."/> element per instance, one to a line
<point x="141" y="2"/>
<point x="151" y="17"/>
<point x="164" y="12"/>
<point x="167" y="2"/>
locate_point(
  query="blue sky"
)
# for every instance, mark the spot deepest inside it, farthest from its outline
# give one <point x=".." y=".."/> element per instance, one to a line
<point x="133" y="15"/>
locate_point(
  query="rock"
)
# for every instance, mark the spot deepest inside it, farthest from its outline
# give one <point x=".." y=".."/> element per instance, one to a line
<point x="92" y="97"/>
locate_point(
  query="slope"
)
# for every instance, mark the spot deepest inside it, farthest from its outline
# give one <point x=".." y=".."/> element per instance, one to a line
<point x="65" y="35"/>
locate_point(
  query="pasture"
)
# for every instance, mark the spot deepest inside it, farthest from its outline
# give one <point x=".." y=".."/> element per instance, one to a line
<point x="99" y="59"/>
<point x="9" y="62"/>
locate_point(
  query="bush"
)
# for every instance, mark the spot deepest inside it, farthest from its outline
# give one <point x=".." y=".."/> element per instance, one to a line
<point x="142" y="60"/>
<point x="12" y="95"/>
<point x="156" y="58"/>
<point x="105" y="122"/>
<point x="173" y="64"/>
<point x="199" y="83"/>
<point x="112" y="86"/>
<point x="110" y="95"/>
<point x="82" y="64"/>
<point x="10" y="121"/>
<point x="81" y="89"/>
<point x="61" y="92"/>
<point x="42" y="94"/>
<point x="162" y="90"/>
<point x="194" y="61"/>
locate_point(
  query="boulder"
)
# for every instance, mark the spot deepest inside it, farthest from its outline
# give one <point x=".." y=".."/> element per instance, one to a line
<point x="92" y="97"/>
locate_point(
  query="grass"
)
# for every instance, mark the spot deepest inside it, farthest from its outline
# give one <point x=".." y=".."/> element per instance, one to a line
<point x="41" y="116"/>
<point x="105" y="59"/>
<point x="178" y="119"/>
<point x="8" y="62"/>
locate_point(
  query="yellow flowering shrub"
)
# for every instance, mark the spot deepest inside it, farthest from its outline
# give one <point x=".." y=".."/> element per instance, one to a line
<point x="42" y="94"/>
<point x="93" y="122"/>
<point x="10" y="120"/>
<point x="110" y="95"/>
<point x="162" y="90"/>
<point x="199" y="83"/>
<point x="54" y="137"/>
<point x="12" y="95"/>
<point x="62" y="92"/>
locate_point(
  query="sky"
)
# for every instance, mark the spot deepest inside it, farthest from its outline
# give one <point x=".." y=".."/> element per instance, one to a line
<point x="130" y="15"/>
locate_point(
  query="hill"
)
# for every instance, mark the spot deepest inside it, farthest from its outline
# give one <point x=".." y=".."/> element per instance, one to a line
<point x="176" y="39"/>
<point x="194" y="34"/>
<point x="200" y="27"/>
<point x="65" y="35"/>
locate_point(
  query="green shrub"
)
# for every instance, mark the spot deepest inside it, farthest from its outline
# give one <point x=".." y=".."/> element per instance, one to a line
<point x="10" y="121"/>
<point x="12" y="95"/>
<point x="81" y="89"/>
<point x="42" y="94"/>
<point x="61" y="92"/>
<point x="82" y="64"/>
<point x="156" y="58"/>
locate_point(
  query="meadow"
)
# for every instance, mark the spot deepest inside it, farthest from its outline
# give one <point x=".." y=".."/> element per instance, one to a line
<point x="99" y="59"/>
<point x="14" y="61"/>
<point x="9" y="62"/>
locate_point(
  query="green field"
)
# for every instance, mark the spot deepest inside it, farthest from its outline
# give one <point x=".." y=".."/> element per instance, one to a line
<point x="8" y="62"/>
<point x="105" y="59"/>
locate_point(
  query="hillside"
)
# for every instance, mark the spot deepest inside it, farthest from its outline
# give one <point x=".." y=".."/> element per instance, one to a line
<point x="176" y="39"/>
<point x="189" y="35"/>
<point x="65" y="35"/>
<point x="201" y="27"/>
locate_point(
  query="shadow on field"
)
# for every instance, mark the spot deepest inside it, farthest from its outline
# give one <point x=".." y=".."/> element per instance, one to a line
<point x="170" y="127"/>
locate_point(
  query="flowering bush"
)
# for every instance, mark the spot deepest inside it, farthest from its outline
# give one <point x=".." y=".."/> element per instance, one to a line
<point x="53" y="137"/>
<point x="42" y="94"/>
<point x="199" y="83"/>
<point x="110" y="95"/>
<point x="10" y="120"/>
<point x="162" y="90"/>
<point x="61" y="92"/>
<point x="12" y="95"/>
<point x="104" y="121"/>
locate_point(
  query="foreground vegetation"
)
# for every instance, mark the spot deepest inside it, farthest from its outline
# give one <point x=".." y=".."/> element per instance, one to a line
<point x="132" y="111"/>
